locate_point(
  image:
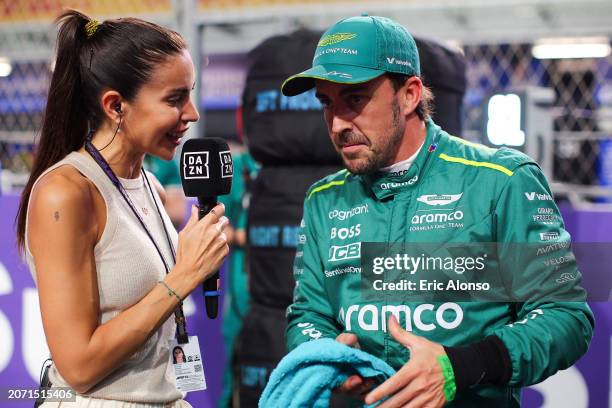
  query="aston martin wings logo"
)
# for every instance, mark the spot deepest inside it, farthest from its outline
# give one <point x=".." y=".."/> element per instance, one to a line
<point x="335" y="39"/>
<point x="439" y="199"/>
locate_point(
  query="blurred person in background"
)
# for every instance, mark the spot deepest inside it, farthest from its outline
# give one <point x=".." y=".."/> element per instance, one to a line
<point x="236" y="295"/>
<point x="405" y="180"/>
<point x="108" y="264"/>
<point x="168" y="174"/>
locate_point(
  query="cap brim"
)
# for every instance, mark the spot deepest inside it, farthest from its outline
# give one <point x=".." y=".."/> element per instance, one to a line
<point x="338" y="73"/>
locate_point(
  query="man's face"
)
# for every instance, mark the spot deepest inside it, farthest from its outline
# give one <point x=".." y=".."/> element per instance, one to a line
<point x="364" y="122"/>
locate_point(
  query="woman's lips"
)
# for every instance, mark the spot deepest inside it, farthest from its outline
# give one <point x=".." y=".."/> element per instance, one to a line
<point x="174" y="138"/>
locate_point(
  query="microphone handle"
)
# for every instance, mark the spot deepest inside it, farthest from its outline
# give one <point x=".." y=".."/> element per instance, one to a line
<point x="206" y="204"/>
<point x="210" y="285"/>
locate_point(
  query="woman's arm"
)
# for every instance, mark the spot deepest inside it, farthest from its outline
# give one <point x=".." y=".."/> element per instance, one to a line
<point x="62" y="233"/>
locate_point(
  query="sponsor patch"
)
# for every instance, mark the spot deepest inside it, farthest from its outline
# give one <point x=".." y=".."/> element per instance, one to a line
<point x="340" y="74"/>
<point x="335" y="39"/>
<point x="343" y="252"/>
<point x="424" y="317"/>
<point x="548" y="236"/>
<point x="565" y="277"/>
<point x="425" y="221"/>
<point x="395" y="61"/>
<point x="393" y="185"/>
<point x="439" y="199"/>
<point x="346" y="214"/>
<point x="537" y="196"/>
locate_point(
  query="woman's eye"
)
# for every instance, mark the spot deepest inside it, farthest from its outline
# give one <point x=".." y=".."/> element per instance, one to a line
<point x="176" y="100"/>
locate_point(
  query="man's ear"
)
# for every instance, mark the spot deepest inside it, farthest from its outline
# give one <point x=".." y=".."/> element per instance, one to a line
<point x="410" y="94"/>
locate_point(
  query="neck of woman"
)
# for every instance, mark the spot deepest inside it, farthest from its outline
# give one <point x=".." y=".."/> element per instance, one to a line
<point x="125" y="161"/>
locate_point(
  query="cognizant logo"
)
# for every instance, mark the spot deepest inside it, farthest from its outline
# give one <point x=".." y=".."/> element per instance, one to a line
<point x="439" y="217"/>
<point x="346" y="214"/>
<point x="424" y="317"/>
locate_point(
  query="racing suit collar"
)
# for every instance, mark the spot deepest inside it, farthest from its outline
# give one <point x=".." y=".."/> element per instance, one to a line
<point x="389" y="184"/>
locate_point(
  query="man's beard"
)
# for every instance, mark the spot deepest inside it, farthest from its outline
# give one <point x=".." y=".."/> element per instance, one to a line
<point x="379" y="156"/>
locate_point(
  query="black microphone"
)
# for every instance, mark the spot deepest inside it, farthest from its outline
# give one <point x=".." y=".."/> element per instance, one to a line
<point x="206" y="173"/>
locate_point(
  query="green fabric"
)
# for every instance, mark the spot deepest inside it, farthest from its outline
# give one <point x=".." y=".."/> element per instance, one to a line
<point x="166" y="171"/>
<point x="450" y="389"/>
<point x="489" y="196"/>
<point x="358" y="49"/>
<point x="236" y="296"/>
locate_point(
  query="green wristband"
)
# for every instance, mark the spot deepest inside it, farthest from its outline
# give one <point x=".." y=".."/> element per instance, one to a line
<point x="450" y="388"/>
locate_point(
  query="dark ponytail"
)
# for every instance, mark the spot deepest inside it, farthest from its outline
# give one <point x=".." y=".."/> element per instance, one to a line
<point x="115" y="54"/>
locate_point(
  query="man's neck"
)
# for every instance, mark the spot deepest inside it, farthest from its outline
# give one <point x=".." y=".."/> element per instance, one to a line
<point x="414" y="137"/>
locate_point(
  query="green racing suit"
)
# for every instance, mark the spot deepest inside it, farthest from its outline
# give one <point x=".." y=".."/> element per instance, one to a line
<point x="476" y="194"/>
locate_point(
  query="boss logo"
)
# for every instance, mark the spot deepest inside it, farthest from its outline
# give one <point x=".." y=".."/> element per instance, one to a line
<point x="345" y="233"/>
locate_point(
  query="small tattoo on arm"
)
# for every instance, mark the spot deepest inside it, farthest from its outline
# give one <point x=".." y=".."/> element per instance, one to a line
<point x="56" y="215"/>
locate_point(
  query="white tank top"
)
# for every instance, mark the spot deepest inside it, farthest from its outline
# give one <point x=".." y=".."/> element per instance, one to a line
<point x="128" y="267"/>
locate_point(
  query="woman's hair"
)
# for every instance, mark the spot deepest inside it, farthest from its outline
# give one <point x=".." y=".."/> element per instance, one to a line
<point x="92" y="58"/>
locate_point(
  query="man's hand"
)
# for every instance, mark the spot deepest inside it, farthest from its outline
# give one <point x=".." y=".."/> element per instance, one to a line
<point x="354" y="385"/>
<point x="419" y="383"/>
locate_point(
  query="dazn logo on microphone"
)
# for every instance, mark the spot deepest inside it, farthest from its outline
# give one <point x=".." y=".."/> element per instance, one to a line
<point x="195" y="165"/>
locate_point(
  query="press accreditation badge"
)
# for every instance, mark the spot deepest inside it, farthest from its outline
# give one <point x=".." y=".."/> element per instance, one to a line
<point x="186" y="360"/>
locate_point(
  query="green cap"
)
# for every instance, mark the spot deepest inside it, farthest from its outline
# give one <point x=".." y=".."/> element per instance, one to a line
<point x="358" y="49"/>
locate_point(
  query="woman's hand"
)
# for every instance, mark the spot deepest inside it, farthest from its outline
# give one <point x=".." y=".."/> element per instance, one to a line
<point x="202" y="245"/>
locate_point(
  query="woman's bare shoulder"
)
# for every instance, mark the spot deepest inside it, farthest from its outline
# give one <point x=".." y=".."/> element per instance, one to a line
<point x="63" y="185"/>
<point x="63" y="194"/>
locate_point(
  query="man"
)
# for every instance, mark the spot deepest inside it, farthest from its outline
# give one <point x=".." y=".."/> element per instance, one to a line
<point x="236" y="300"/>
<point x="406" y="180"/>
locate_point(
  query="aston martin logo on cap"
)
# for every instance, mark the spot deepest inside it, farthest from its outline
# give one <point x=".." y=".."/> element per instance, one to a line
<point x="335" y="39"/>
<point x="339" y="74"/>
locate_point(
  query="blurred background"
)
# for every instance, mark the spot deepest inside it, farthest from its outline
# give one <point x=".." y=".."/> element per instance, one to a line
<point x="535" y="75"/>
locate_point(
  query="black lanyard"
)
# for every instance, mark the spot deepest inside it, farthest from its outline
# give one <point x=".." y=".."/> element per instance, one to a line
<point x="179" y="316"/>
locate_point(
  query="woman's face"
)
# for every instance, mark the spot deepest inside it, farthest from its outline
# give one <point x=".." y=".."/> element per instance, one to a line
<point x="159" y="115"/>
<point x="179" y="356"/>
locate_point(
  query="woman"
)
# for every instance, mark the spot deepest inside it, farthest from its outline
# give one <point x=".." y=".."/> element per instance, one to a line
<point x="109" y="270"/>
<point x="178" y="355"/>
